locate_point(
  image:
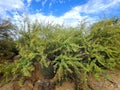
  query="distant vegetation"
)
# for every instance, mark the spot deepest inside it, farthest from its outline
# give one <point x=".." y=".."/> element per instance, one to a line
<point x="7" y="43"/>
<point x="64" y="53"/>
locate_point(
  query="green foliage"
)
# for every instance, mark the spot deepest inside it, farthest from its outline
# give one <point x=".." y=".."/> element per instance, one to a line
<point x="66" y="52"/>
<point x="7" y="44"/>
<point x="53" y="46"/>
<point x="63" y="52"/>
<point x="106" y="34"/>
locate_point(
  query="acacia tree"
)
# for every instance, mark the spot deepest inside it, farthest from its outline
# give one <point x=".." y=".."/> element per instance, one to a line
<point x="7" y="45"/>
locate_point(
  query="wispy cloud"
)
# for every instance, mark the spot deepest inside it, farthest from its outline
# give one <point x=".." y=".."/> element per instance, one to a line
<point x="9" y="5"/>
<point x="71" y="17"/>
<point x="44" y="2"/>
<point x="50" y="4"/>
<point x="29" y="3"/>
<point x="96" y="6"/>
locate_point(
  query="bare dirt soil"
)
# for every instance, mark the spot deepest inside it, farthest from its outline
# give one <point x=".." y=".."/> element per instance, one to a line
<point x="38" y="82"/>
<point x="111" y="82"/>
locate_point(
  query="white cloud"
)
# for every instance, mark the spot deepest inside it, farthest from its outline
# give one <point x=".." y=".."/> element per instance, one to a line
<point x="29" y="3"/>
<point x="3" y="14"/>
<point x="71" y="17"/>
<point x="8" y="5"/>
<point x="96" y="6"/>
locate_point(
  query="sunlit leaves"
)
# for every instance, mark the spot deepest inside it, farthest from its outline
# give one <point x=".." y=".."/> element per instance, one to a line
<point x="67" y="52"/>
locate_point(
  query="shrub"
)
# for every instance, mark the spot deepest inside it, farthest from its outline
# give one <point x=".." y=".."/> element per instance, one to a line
<point x="67" y="53"/>
<point x="7" y="44"/>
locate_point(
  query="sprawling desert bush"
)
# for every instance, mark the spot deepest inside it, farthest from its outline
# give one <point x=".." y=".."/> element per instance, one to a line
<point x="66" y="53"/>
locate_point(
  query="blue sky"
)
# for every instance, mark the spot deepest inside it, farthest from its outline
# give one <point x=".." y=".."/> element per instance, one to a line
<point x="68" y="12"/>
